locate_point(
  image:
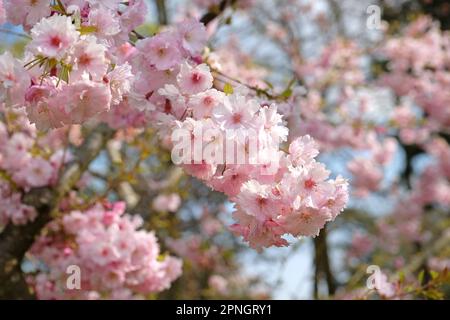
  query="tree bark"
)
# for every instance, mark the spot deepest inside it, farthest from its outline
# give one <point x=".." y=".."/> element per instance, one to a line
<point x="322" y="265"/>
<point x="162" y="12"/>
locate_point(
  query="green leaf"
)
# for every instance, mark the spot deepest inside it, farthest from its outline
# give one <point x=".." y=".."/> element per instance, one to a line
<point x="64" y="73"/>
<point x="52" y="63"/>
<point x="434" y="274"/>
<point x="87" y="29"/>
<point x="286" y="93"/>
<point x="401" y="277"/>
<point x="433" y="294"/>
<point x="228" y="89"/>
<point x="148" y="29"/>
<point x="421" y="276"/>
<point x="61" y="6"/>
<point x="56" y="8"/>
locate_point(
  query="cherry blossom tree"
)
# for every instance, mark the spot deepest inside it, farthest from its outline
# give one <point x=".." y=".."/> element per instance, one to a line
<point x="150" y="155"/>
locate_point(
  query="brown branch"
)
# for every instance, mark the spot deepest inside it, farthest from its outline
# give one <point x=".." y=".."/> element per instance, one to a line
<point x="162" y="12"/>
<point x="322" y="264"/>
<point x="15" y="241"/>
<point x="216" y="11"/>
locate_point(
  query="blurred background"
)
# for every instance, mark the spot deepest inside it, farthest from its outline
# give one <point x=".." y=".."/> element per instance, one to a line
<point x="366" y="79"/>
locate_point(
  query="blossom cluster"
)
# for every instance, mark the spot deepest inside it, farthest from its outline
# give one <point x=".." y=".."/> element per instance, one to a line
<point x="344" y="116"/>
<point x="12" y="208"/>
<point x="368" y="172"/>
<point x="194" y="250"/>
<point x="265" y="185"/>
<point x="418" y="65"/>
<point x="166" y="203"/>
<point x="79" y="67"/>
<point x="276" y="193"/>
<point x="72" y="69"/>
<point x="340" y="61"/>
<point x="27" y="161"/>
<point x="116" y="259"/>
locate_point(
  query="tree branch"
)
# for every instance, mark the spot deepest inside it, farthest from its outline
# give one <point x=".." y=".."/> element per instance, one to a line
<point x="162" y="12"/>
<point x="419" y="261"/>
<point x="216" y="11"/>
<point x="322" y="264"/>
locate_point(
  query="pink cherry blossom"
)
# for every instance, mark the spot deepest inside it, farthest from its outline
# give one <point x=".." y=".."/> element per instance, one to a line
<point x="105" y="22"/>
<point x="119" y="80"/>
<point x="203" y="103"/>
<point x="53" y="37"/>
<point x="193" y="36"/>
<point x="134" y="15"/>
<point x="231" y="180"/>
<point x="42" y="107"/>
<point x="12" y="209"/>
<point x="164" y="84"/>
<point x="258" y="200"/>
<point x="367" y="176"/>
<point x="14" y="80"/>
<point x="2" y="13"/>
<point x="26" y="12"/>
<point x="83" y="100"/>
<point x="303" y="150"/>
<point x="161" y="51"/>
<point x="67" y="104"/>
<point x="385" y="288"/>
<point x="124" y="115"/>
<point x="236" y="112"/>
<point x="194" y="79"/>
<point x="169" y="202"/>
<point x="37" y="173"/>
<point x="89" y="57"/>
<point x="116" y="258"/>
<point x="218" y="283"/>
<point x="272" y="123"/>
